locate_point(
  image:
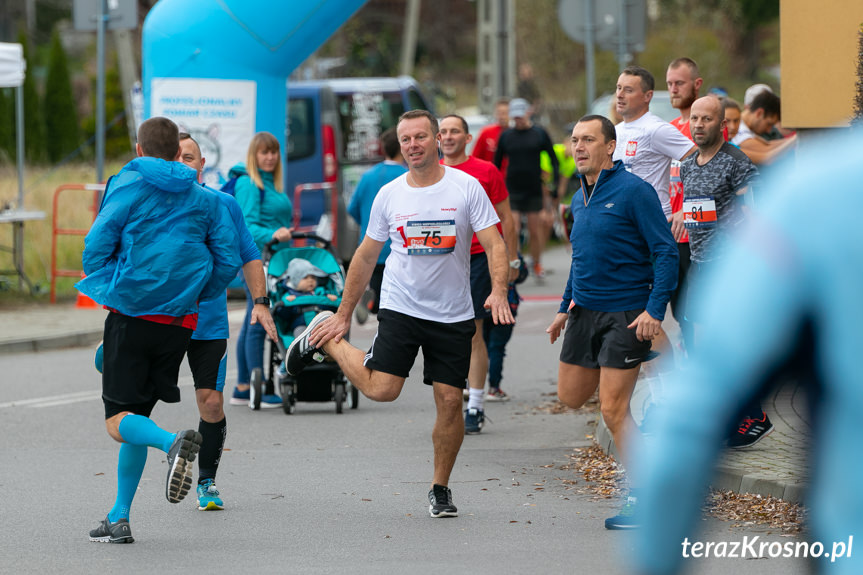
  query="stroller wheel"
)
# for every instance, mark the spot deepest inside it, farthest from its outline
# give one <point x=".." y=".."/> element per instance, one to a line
<point x="288" y="399"/>
<point x="339" y="395"/>
<point x="256" y="388"/>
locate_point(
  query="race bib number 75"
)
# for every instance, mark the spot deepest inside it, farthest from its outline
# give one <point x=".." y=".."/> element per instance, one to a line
<point x="424" y="238"/>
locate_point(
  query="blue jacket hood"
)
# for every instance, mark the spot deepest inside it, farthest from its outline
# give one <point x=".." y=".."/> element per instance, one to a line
<point x="160" y="243"/>
<point x="168" y="176"/>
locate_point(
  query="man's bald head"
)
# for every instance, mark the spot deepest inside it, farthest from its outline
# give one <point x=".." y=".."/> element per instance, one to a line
<point x="710" y="104"/>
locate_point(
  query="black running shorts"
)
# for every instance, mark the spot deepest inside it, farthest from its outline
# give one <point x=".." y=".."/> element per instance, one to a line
<point x="525" y="203"/>
<point x="446" y="347"/>
<point x="141" y="362"/>
<point x="208" y="361"/>
<point x="595" y="339"/>
<point x="480" y="284"/>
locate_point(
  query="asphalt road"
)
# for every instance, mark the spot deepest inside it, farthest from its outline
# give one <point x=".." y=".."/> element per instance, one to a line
<point x="315" y="492"/>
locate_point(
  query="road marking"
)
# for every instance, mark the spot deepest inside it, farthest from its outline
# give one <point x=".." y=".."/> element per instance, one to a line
<point x="81" y="396"/>
<point x="78" y="396"/>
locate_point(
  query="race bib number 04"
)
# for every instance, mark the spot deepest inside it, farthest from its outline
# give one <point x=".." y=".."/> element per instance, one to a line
<point x="426" y="238"/>
<point x="699" y="212"/>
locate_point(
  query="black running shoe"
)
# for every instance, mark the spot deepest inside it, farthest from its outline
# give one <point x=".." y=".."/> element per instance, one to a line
<point x="180" y="458"/>
<point x="474" y="419"/>
<point x="108" y="532"/>
<point x="750" y="431"/>
<point x="300" y="353"/>
<point x="440" y="499"/>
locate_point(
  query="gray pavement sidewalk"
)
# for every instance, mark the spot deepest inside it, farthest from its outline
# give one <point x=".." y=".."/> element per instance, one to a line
<point x="776" y="466"/>
<point x="49" y="326"/>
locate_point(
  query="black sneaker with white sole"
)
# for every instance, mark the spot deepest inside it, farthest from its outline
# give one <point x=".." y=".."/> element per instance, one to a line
<point x="180" y="457"/>
<point x="108" y="532"/>
<point x="750" y="431"/>
<point x="440" y="502"/>
<point x="300" y="353"/>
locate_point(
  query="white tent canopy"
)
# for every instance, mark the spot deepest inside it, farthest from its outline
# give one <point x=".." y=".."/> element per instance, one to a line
<point x="12" y="65"/>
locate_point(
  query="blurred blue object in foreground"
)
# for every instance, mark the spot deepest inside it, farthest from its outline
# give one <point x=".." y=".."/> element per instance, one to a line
<point x="796" y="268"/>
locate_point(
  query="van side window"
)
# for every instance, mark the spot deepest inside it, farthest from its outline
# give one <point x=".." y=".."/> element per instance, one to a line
<point x="301" y="129"/>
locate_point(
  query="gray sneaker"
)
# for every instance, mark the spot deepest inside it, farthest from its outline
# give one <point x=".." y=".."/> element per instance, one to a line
<point x="108" y="532"/>
<point x="180" y="458"/>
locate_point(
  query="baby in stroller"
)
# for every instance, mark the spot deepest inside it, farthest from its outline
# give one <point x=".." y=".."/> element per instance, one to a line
<point x="303" y="281"/>
<point x="300" y="281"/>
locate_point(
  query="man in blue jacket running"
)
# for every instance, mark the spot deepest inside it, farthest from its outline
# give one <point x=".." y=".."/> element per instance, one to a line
<point x="160" y="244"/>
<point x="624" y="267"/>
<point x="207" y="353"/>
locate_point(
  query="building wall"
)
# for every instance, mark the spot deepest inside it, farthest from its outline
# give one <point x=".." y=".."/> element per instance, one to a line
<point x="819" y="47"/>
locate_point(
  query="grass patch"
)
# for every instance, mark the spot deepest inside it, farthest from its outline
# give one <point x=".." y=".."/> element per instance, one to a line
<point x="74" y="210"/>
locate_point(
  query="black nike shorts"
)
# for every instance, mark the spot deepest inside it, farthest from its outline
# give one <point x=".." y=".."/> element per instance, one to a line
<point x="595" y="339"/>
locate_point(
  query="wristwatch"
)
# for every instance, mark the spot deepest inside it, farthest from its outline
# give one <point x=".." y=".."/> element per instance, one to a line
<point x="262" y="301"/>
<point x="515" y="264"/>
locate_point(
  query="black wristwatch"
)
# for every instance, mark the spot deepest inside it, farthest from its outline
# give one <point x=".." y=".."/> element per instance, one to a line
<point x="262" y="301"/>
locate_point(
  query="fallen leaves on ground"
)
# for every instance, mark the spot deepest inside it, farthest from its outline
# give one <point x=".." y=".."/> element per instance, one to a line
<point x="555" y="407"/>
<point x="747" y="509"/>
<point x="597" y="474"/>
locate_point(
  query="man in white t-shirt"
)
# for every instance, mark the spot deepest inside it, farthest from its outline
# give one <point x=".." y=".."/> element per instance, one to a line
<point x="645" y="142"/>
<point x="430" y="214"/>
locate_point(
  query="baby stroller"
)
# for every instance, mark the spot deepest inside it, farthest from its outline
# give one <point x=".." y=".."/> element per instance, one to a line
<point x="321" y="381"/>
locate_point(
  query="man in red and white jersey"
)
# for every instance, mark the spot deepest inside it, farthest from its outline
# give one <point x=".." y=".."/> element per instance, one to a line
<point x="454" y="140"/>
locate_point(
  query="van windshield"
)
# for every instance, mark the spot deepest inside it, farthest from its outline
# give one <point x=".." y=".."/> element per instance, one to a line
<point x="364" y="116"/>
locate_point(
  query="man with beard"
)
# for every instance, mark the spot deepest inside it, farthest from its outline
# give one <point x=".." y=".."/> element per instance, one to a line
<point x="715" y="179"/>
<point x="684" y="82"/>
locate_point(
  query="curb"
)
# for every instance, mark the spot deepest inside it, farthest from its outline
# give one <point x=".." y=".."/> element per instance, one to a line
<point x="74" y="339"/>
<point x="725" y="477"/>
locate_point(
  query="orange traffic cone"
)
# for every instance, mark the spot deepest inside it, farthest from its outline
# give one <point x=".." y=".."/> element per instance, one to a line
<point x="84" y="301"/>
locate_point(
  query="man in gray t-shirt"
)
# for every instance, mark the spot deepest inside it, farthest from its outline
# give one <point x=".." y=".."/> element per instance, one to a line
<point x="715" y="179"/>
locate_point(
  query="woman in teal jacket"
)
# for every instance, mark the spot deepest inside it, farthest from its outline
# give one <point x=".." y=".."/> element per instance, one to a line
<point x="268" y="213"/>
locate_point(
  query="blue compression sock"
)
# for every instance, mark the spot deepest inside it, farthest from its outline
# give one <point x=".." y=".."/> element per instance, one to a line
<point x="130" y="467"/>
<point x="140" y="430"/>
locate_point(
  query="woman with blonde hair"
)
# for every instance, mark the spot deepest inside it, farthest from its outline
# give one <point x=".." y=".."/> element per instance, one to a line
<point x="268" y="213"/>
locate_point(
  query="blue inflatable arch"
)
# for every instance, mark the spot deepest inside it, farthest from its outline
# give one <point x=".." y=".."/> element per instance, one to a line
<point x="219" y="68"/>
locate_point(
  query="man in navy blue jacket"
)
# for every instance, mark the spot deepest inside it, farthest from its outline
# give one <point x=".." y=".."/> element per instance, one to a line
<point x="624" y="267"/>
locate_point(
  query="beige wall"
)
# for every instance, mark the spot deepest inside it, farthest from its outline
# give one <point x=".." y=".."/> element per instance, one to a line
<point x="819" y="46"/>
